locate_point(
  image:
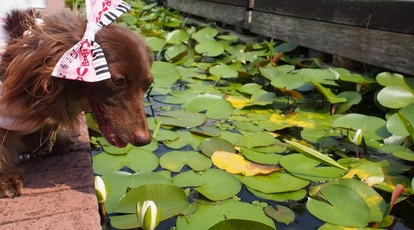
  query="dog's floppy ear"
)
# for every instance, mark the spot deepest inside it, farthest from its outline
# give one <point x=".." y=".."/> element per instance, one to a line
<point x="19" y="21"/>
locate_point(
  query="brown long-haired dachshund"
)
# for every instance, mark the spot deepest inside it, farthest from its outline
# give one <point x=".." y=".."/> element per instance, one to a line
<point x="33" y="103"/>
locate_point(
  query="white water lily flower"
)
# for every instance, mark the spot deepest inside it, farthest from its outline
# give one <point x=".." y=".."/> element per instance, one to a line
<point x="101" y="190"/>
<point x="148" y="215"/>
<point x="357" y="139"/>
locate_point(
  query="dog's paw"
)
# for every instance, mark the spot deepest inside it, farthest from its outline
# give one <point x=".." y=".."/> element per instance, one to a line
<point x="65" y="143"/>
<point x="11" y="183"/>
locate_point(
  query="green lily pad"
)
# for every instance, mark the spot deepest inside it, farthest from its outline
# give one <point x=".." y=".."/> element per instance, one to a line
<point x="281" y="214"/>
<point x="345" y="207"/>
<point x="209" y="215"/>
<point x="177" y="37"/>
<point x="206" y="131"/>
<point x="214" y="184"/>
<point x="395" y="97"/>
<point x="320" y="76"/>
<point x="251" y="140"/>
<point x="210" y="48"/>
<point x="119" y="182"/>
<point x="223" y="71"/>
<point x="184" y="138"/>
<point x="175" y="97"/>
<point x="249" y="88"/>
<point x="215" y="106"/>
<point x="176" y="53"/>
<point x="395" y="79"/>
<point x="104" y="163"/>
<point x="307" y="168"/>
<point x="165" y="74"/>
<point x="181" y="118"/>
<point x="288" y="81"/>
<point x="395" y="124"/>
<point x="375" y="202"/>
<point x="166" y="135"/>
<point x="205" y="34"/>
<point x="270" y="72"/>
<point x="407" y="154"/>
<point x="141" y="160"/>
<point x="156" y="44"/>
<point x="352" y="98"/>
<point x="372" y="127"/>
<point x="176" y="160"/>
<point x="261" y="158"/>
<point x="280" y="197"/>
<point x="276" y="182"/>
<point x="209" y="146"/>
<point x="240" y="225"/>
<point x="228" y="37"/>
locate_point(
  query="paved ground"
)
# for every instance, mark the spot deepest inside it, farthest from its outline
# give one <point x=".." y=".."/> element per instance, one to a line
<point x="59" y="191"/>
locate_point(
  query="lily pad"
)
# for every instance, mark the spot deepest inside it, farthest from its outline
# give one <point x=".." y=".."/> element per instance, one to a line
<point x="372" y="127"/>
<point x="215" y="106"/>
<point x="177" y="37"/>
<point x="214" y="184"/>
<point x="307" y="168"/>
<point x="281" y="214"/>
<point x="141" y="160"/>
<point x="345" y="207"/>
<point x="276" y="182"/>
<point x="260" y="157"/>
<point x="280" y="197"/>
<point x="206" y="131"/>
<point x="156" y="44"/>
<point x="210" y="48"/>
<point x="119" y="182"/>
<point x="237" y="164"/>
<point x="165" y="74"/>
<point x="181" y="118"/>
<point x="250" y="140"/>
<point x="223" y="71"/>
<point x="240" y="225"/>
<point x="209" y="146"/>
<point x="176" y="160"/>
<point x="209" y="215"/>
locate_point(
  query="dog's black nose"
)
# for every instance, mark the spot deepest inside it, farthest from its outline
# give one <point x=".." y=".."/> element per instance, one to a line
<point x="141" y="139"/>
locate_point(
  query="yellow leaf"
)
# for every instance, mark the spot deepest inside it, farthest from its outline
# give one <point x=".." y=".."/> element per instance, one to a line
<point x="236" y="164"/>
<point x="238" y="102"/>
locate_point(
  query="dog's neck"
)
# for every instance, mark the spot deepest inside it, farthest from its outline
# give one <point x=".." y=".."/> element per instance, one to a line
<point x="9" y="119"/>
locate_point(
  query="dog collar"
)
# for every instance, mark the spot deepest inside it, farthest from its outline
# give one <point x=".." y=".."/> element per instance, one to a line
<point x="86" y="61"/>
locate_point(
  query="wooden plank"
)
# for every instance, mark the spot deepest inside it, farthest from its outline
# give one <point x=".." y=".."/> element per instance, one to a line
<point x="394" y="16"/>
<point x="244" y="3"/>
<point x="214" y="11"/>
<point x="384" y="49"/>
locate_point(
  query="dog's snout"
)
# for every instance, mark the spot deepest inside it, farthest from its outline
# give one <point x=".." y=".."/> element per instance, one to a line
<point x="141" y="139"/>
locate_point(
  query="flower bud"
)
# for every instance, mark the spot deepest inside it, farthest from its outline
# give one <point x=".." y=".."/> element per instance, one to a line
<point x="148" y="215"/>
<point x="101" y="190"/>
<point x="357" y="139"/>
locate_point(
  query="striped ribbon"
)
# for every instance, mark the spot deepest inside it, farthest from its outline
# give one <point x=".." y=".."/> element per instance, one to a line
<point x="85" y="61"/>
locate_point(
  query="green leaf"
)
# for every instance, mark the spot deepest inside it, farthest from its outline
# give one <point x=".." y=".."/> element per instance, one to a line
<point x="141" y="160"/>
<point x="281" y="214"/>
<point x="276" y="182"/>
<point x="345" y="207"/>
<point x="240" y="225"/>
<point x="395" y="124"/>
<point x="280" y="197"/>
<point x="215" y="106"/>
<point x="210" y="48"/>
<point x="270" y="72"/>
<point x="156" y="44"/>
<point x="206" y="131"/>
<point x="372" y="127"/>
<point x="318" y="155"/>
<point x="308" y="168"/>
<point x="223" y="71"/>
<point x="214" y="184"/>
<point x="261" y="158"/>
<point x="209" y="215"/>
<point x="395" y="79"/>
<point x="104" y="163"/>
<point x="165" y="74"/>
<point x="375" y="202"/>
<point x="184" y="138"/>
<point x="352" y="98"/>
<point x="175" y="97"/>
<point x="251" y="140"/>
<point x="176" y="160"/>
<point x="209" y="146"/>
<point x="177" y="37"/>
<point x="395" y="97"/>
<point x="327" y="93"/>
<point x="181" y="118"/>
<point x="119" y="182"/>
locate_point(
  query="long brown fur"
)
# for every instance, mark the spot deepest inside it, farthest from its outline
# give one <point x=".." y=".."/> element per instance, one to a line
<point x="25" y="71"/>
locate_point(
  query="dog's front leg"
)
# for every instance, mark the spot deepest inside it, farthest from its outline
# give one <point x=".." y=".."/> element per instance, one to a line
<point x="11" y="177"/>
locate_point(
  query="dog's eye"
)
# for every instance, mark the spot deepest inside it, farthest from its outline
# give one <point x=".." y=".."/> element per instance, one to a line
<point x="119" y="81"/>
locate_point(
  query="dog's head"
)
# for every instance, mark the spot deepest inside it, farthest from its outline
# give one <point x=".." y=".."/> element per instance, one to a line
<point x="118" y="102"/>
<point x="29" y="60"/>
